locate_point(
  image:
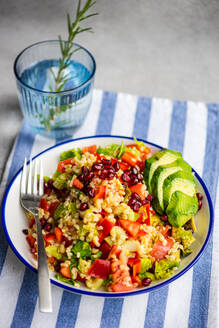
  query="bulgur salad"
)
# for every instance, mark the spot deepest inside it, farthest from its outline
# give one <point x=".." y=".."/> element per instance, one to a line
<point x="117" y="217"/>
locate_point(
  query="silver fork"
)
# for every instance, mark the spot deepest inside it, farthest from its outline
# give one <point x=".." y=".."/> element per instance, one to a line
<point x="30" y="194"/>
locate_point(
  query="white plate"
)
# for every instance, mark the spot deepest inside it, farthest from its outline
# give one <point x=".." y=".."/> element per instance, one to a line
<point x="14" y="220"/>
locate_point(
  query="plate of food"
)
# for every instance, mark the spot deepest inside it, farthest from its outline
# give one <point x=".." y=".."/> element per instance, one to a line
<point x="119" y="216"/>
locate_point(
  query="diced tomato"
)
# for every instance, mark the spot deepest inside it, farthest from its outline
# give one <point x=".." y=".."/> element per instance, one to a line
<point x="141" y="233"/>
<point x="107" y="227"/>
<point x="78" y="184"/>
<point x="53" y="208"/>
<point x="51" y="259"/>
<point x="89" y="149"/>
<point x="103" y="213"/>
<point x="124" y="166"/>
<point x="159" y="251"/>
<point x="165" y="230"/>
<point x="130" y="226"/>
<point x="31" y="240"/>
<point x="100" y="193"/>
<point x="65" y="271"/>
<point x="129" y="158"/>
<point x="141" y="165"/>
<point x="136" y="279"/>
<point x="31" y="223"/>
<point x="132" y="261"/>
<point x="49" y="238"/>
<point x="61" y="164"/>
<point x="136" y="268"/>
<point x="114" y="251"/>
<point x="97" y="156"/>
<point x="120" y="287"/>
<point x="44" y="204"/>
<point x="58" y="234"/>
<point x="105" y="249"/>
<point x="100" y="269"/>
<point x="139" y="188"/>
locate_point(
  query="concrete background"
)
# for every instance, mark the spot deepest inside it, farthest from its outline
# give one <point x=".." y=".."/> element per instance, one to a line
<point x="144" y="47"/>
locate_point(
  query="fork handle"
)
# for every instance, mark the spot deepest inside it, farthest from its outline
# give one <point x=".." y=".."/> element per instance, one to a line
<point x="44" y="286"/>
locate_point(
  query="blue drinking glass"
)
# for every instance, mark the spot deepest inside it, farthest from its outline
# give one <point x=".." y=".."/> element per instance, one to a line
<point x="54" y="114"/>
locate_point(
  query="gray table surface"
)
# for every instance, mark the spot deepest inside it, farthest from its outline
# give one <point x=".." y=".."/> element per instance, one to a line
<point x="144" y="47"/>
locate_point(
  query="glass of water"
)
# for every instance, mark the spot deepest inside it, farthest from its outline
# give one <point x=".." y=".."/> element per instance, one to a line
<point x="50" y="113"/>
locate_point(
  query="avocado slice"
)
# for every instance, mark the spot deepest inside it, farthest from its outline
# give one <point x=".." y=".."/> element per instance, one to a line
<point x="162" y="173"/>
<point x="181" y="208"/>
<point x="162" y="157"/>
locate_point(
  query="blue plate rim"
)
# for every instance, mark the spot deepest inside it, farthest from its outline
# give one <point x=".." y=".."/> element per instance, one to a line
<point x="110" y="294"/>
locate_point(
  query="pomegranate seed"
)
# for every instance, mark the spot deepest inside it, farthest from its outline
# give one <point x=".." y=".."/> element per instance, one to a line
<point x="164" y="218"/>
<point x="116" y="166"/>
<point x="141" y="165"/>
<point x="140" y="177"/>
<point x="128" y="172"/>
<point x="136" y="206"/>
<point x="111" y="169"/>
<point x="134" y="170"/>
<point x="84" y="170"/>
<point x="146" y="282"/>
<point x="48" y="227"/>
<point x="199" y="196"/>
<point x="125" y="177"/>
<point x="50" y="183"/>
<point x="42" y="222"/>
<point x="145" y="201"/>
<point x="106" y="161"/>
<point x="57" y="267"/>
<point x="104" y="171"/>
<point x="149" y="198"/>
<point x="91" y="192"/>
<point x="199" y="204"/>
<point x="110" y="175"/>
<point x="133" y="181"/>
<point x="25" y="231"/>
<point x="84" y="206"/>
<point x="131" y="202"/>
<point x="81" y="177"/>
<point x="89" y="176"/>
<point x="136" y="196"/>
<point x="97" y="166"/>
<point x="102" y="176"/>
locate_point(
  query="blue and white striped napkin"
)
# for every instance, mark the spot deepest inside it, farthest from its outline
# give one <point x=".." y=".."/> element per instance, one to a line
<point x="192" y="300"/>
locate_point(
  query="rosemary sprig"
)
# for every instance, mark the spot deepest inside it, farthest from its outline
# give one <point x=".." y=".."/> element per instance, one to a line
<point x="66" y="47"/>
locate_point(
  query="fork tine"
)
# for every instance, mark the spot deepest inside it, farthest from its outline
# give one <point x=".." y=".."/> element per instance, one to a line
<point x="24" y="178"/>
<point x="35" y="177"/>
<point x="41" y="188"/>
<point x="29" y="183"/>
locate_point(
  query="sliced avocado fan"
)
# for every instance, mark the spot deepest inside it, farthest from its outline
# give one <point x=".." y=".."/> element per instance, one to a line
<point x="171" y="182"/>
<point x="163" y="173"/>
<point x="180" y="208"/>
<point x="165" y="156"/>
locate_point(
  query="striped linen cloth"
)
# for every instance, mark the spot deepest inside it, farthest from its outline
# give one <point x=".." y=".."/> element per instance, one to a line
<point x="192" y="300"/>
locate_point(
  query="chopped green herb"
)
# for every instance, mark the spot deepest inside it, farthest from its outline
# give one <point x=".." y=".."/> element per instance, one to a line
<point x="96" y="256"/>
<point x="112" y="150"/>
<point x="59" y="211"/>
<point x="59" y="277"/>
<point x="82" y="250"/>
<point x="72" y="208"/>
<point x="71" y="154"/>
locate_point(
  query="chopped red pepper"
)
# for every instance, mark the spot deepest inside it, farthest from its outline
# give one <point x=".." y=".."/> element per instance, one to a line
<point x="89" y="149"/>
<point x="136" y="267"/>
<point x="130" y="226"/>
<point x="114" y="251"/>
<point x="100" y="269"/>
<point x="107" y="227"/>
<point x="124" y="166"/>
<point x="49" y="238"/>
<point x="78" y="184"/>
<point x="61" y="164"/>
<point x="31" y="240"/>
<point x="129" y="158"/>
<point x="100" y="193"/>
<point x="105" y="249"/>
<point x="53" y="208"/>
<point x="58" y="234"/>
<point x="159" y="251"/>
<point x="44" y="204"/>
